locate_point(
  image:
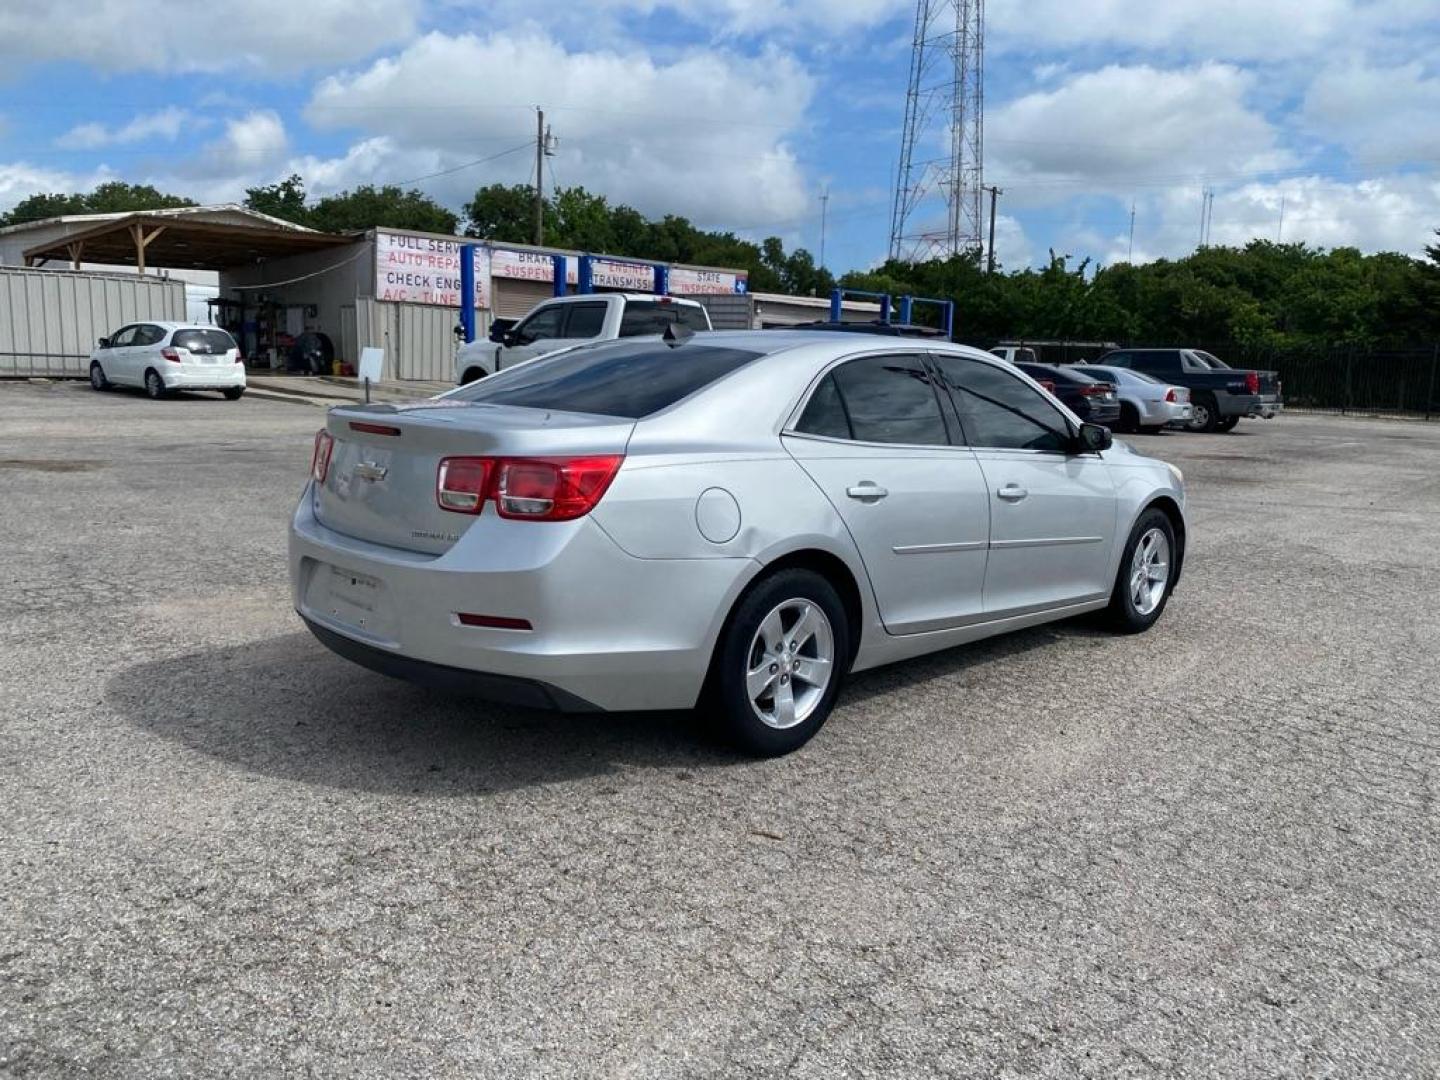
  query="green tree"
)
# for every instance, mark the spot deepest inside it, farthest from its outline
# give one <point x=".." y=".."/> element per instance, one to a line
<point x="368" y="207"/>
<point x="285" y="200"/>
<point x="502" y="213"/>
<point x="112" y="197"/>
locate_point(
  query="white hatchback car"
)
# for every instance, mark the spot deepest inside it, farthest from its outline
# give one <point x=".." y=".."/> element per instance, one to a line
<point x="163" y="356"/>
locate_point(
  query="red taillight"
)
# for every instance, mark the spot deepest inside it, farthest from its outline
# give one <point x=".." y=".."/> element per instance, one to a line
<point x="320" y="456"/>
<point x="552" y="489"/>
<point x="239" y="359"/>
<point x="1171" y="396"/>
<point x="1096" y="390"/>
<point x="530" y="489"/>
<point x="170" y="354"/>
<point x="462" y="484"/>
<point x="374" y="429"/>
<point x="1046" y="384"/>
<point x="1252" y="382"/>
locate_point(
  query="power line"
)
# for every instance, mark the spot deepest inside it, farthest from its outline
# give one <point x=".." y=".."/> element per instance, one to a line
<point x="459" y="168"/>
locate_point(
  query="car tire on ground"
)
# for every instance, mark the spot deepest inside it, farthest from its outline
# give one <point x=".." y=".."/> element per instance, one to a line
<point x="1206" y="414"/>
<point x="233" y="393"/>
<point x="779" y="663"/>
<point x="97" y="377"/>
<point x="1129" y="418"/>
<point x="1227" y="423"/>
<point x="471" y="375"/>
<point x="1146" y="576"/>
<point x="154" y="385"/>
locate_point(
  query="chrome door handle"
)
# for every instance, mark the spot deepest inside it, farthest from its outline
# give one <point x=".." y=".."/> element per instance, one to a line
<point x="1012" y="493"/>
<point x="866" y="491"/>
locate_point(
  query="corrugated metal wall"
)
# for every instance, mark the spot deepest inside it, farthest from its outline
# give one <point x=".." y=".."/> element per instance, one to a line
<point x="728" y="311"/>
<point x="418" y="339"/>
<point x="49" y="319"/>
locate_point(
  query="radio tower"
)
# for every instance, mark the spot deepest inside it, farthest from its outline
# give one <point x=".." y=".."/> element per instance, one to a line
<point x="945" y="107"/>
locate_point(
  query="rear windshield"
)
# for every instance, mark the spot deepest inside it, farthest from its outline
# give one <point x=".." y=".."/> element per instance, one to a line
<point x="209" y="342"/>
<point x="652" y="317"/>
<point x="628" y="380"/>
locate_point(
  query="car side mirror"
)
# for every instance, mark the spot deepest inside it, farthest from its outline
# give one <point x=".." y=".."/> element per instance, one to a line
<point x="497" y="334"/>
<point x="103" y="342"/>
<point x="1093" y="438"/>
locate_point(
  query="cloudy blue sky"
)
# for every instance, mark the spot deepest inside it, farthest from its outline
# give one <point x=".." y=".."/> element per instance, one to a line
<point x="738" y="113"/>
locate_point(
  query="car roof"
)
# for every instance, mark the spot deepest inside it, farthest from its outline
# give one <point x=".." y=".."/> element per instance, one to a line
<point x="662" y="298"/>
<point x="171" y="324"/>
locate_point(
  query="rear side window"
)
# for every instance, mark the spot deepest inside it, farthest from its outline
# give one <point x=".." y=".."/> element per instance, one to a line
<point x="207" y="342"/>
<point x="652" y="317"/>
<point x="1116" y="359"/>
<point x="879" y="399"/>
<point x="585" y="320"/>
<point x="148" y="335"/>
<point x="626" y="380"/>
<point x="999" y="410"/>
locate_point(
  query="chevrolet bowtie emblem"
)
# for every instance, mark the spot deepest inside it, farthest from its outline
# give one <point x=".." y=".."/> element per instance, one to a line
<point x="366" y="470"/>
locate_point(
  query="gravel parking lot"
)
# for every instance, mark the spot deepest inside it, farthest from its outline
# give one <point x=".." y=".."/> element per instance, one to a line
<point x="1208" y="851"/>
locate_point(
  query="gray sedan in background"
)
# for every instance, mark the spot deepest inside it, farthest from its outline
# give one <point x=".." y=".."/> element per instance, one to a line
<point x="1147" y="404"/>
<point x="734" y="519"/>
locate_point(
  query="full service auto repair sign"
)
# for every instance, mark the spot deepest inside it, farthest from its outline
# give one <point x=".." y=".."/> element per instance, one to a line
<point x="423" y="270"/>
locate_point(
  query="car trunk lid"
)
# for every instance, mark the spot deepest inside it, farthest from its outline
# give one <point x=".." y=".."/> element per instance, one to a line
<point x="380" y="484"/>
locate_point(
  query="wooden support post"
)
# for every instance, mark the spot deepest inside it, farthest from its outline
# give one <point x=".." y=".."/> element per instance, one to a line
<point x="142" y="241"/>
<point x="75" y="249"/>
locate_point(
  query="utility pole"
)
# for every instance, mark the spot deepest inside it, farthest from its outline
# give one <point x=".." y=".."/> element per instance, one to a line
<point x="824" y="206"/>
<point x="1130" y="248"/>
<point x="1280" y="233"/>
<point x="544" y="147"/>
<point x="1210" y="217"/>
<point x="995" y="193"/>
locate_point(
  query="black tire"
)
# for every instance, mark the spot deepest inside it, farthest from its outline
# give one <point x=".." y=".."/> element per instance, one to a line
<point x="1207" y="414"/>
<point x="233" y="393"/>
<point x="98" y="381"/>
<point x="154" y="385"/>
<point x="1129" y="418"/>
<point x="471" y="375"/>
<point x="729" y="700"/>
<point x="1123" y="615"/>
<point x="1227" y="423"/>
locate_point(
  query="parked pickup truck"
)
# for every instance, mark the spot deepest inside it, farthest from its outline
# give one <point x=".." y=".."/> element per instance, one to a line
<point x="575" y="320"/>
<point x="1220" y="395"/>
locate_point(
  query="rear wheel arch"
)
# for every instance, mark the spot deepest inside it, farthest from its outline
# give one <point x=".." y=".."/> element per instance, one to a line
<point x="834" y="570"/>
<point x="472" y="373"/>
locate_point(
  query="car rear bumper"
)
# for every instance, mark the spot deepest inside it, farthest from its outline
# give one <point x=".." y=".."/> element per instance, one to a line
<point x="1103" y="412"/>
<point x="1267" y="407"/>
<point x="1159" y="413"/>
<point x="609" y="631"/>
<point x="202" y="376"/>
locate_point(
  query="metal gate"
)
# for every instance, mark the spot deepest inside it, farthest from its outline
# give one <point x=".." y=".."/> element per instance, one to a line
<point x="418" y="339"/>
<point x="49" y="319"/>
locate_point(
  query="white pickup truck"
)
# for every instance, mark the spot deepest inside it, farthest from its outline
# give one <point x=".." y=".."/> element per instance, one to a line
<point x="576" y="320"/>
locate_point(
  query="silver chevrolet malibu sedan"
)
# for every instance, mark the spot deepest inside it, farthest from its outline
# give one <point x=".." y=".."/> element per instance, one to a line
<point x="733" y="520"/>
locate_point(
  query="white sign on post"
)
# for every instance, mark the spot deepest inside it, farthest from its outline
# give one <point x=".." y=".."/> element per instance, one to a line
<point x="372" y="361"/>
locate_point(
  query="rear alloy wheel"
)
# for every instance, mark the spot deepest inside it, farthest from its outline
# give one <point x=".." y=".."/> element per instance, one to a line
<point x="1147" y="569"/>
<point x="233" y="393"/>
<point x="97" y="378"/>
<point x="1227" y="424"/>
<point x="154" y="385"/>
<point x="779" y="662"/>
<point x="1204" y="416"/>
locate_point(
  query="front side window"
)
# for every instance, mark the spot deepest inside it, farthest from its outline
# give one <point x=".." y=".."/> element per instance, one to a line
<point x="123" y="337"/>
<point x="585" y="320"/>
<point x="879" y="399"/>
<point x="999" y="410"/>
<point x="629" y="380"/>
<point x="540" y="326"/>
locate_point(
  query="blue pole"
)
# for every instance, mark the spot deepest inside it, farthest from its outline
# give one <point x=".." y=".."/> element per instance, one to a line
<point x="662" y="279"/>
<point x="558" y="262"/>
<point x="587" y="274"/>
<point x="835" y="298"/>
<point x="950" y="320"/>
<point x="467" y="291"/>
<point x="905" y="302"/>
<point x="884" y="307"/>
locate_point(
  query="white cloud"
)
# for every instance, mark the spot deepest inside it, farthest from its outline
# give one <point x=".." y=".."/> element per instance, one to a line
<point x="729" y="17"/>
<point x="1121" y="128"/>
<point x="1390" y="113"/>
<point x="275" y="36"/>
<point x="703" y="134"/>
<point x="162" y="124"/>
<point x="250" y="146"/>
<point x="19" y="180"/>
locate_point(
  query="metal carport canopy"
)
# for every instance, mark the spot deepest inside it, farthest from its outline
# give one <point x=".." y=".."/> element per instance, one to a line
<point x="142" y="240"/>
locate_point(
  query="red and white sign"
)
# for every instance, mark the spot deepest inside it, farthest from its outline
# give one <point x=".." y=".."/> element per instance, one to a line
<point x="686" y="282"/>
<point x="614" y="274"/>
<point x="528" y="266"/>
<point x="423" y="270"/>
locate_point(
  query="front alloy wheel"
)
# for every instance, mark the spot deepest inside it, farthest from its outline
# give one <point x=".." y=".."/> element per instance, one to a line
<point x="1147" y="571"/>
<point x="97" y="378"/>
<point x="154" y="385"/>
